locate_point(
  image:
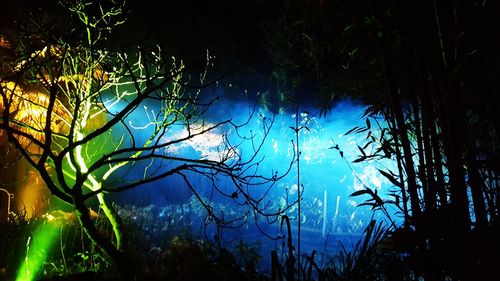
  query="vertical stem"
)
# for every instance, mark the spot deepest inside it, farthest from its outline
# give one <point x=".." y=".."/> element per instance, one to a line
<point x="440" y="33"/>
<point x="125" y="266"/>
<point x="429" y="159"/>
<point x="325" y="202"/>
<point x="438" y="157"/>
<point x="476" y="184"/>
<point x="299" y="192"/>
<point x="113" y="218"/>
<point x="95" y="186"/>
<point x="421" y="174"/>
<point x="399" y="160"/>
<point x="407" y="153"/>
<point x="336" y="215"/>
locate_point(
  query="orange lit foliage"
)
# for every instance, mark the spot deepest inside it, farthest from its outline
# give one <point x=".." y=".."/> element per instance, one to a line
<point x="29" y="102"/>
<point x="28" y="111"/>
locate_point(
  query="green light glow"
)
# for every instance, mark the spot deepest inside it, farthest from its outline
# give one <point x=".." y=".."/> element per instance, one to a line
<point x="37" y="250"/>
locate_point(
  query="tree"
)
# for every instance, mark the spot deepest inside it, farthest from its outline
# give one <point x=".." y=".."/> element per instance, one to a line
<point x="84" y="115"/>
<point x="428" y="68"/>
<point x="436" y="131"/>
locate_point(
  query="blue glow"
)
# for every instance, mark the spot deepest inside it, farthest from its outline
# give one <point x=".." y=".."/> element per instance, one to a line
<point x="324" y="174"/>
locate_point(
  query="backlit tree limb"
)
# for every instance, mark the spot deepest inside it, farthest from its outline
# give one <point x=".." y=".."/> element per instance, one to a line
<point x="83" y="115"/>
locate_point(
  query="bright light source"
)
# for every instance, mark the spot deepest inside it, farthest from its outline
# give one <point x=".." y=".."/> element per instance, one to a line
<point x="37" y="249"/>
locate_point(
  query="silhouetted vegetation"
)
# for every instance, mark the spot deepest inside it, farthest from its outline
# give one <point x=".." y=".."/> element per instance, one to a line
<point x="427" y="71"/>
<point x="63" y="97"/>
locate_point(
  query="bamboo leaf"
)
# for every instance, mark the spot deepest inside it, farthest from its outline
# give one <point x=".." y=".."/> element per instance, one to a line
<point x="359" y="192"/>
<point x="391" y="178"/>
<point x="382" y="134"/>
<point x="369" y="135"/>
<point x="360" y="159"/>
<point x="367" y="144"/>
<point x="373" y="205"/>
<point x="362" y="151"/>
<point x="361" y="130"/>
<point x="351" y="130"/>
<point x="334" y="147"/>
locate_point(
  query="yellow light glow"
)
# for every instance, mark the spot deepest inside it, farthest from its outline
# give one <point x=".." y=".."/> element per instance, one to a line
<point x="28" y="109"/>
<point x="33" y="196"/>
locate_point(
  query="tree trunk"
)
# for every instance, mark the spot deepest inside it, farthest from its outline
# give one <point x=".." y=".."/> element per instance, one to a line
<point x="126" y="265"/>
<point x="476" y="186"/>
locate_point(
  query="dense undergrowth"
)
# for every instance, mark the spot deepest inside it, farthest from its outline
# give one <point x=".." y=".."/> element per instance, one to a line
<point x="169" y="253"/>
